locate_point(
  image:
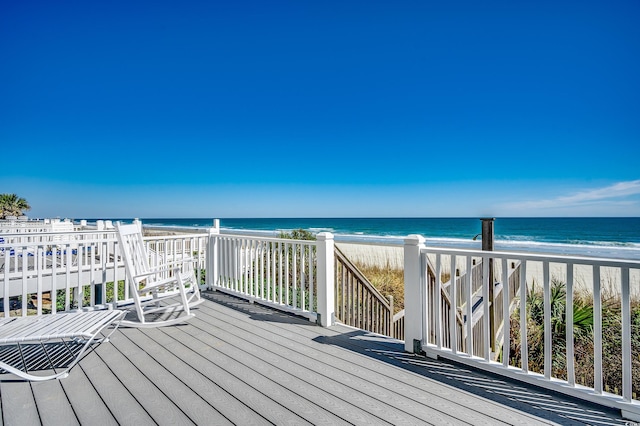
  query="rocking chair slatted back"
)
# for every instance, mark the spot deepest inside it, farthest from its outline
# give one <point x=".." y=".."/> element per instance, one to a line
<point x="153" y="285"/>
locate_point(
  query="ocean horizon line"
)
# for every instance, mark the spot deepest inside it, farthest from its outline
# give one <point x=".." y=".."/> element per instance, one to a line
<point x="358" y="217"/>
<point x="597" y="236"/>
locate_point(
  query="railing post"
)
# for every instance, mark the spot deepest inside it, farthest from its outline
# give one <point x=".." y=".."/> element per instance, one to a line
<point x="212" y="255"/>
<point x="487" y="245"/>
<point x="413" y="292"/>
<point x="326" y="278"/>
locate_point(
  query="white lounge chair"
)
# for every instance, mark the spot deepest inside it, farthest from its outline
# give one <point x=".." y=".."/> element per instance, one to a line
<point x="73" y="332"/>
<point x="152" y="287"/>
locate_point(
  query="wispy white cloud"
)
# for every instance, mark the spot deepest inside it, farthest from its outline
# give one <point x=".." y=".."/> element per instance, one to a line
<point x="614" y="196"/>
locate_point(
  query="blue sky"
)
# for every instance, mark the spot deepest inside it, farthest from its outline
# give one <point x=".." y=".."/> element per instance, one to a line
<point x="321" y="108"/>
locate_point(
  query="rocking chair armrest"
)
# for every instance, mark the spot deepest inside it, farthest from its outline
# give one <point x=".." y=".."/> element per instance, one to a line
<point x="183" y="266"/>
<point x="160" y="268"/>
<point x="164" y="268"/>
<point x="159" y="284"/>
<point x="183" y="260"/>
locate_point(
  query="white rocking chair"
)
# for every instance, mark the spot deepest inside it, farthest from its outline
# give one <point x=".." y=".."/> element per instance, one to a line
<point x="151" y="286"/>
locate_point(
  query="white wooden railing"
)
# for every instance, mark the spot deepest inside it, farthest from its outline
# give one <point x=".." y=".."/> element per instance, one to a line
<point x="15" y="226"/>
<point x="290" y="275"/>
<point x="586" y="273"/>
<point x="52" y="271"/>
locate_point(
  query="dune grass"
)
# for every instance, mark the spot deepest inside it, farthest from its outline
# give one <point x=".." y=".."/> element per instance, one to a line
<point x="388" y="280"/>
<point x="582" y="324"/>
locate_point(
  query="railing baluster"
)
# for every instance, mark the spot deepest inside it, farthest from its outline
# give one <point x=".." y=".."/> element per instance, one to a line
<point x="37" y="264"/>
<point x="547" y="320"/>
<point x="295" y="275"/>
<point x="506" y="322"/>
<point x="303" y="304"/>
<point x="7" y="268"/>
<point x="54" y="282"/>
<point x="524" y="347"/>
<point x="426" y="298"/>
<point x="438" y="302"/>
<point x="286" y="275"/>
<point x="269" y="272"/>
<point x="571" y="375"/>
<point x="344" y="293"/>
<point x="453" y="297"/>
<point x="25" y="267"/>
<point x="273" y="250"/>
<point x="469" y="307"/>
<point x="67" y="298"/>
<point x="486" y="333"/>
<point x="597" y="331"/>
<point x="311" y="261"/>
<point x="350" y="315"/>
<point x="626" y="337"/>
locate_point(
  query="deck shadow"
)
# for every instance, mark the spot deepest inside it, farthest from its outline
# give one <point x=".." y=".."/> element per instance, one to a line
<point x="255" y="311"/>
<point x="36" y="357"/>
<point x="534" y="400"/>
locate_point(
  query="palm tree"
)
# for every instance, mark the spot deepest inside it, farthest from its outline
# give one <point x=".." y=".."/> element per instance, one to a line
<point x="12" y="205"/>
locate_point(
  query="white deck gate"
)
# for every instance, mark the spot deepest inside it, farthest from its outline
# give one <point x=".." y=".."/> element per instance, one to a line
<point x="590" y="274"/>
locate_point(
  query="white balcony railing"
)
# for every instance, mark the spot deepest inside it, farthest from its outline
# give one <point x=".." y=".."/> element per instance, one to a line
<point x="592" y="278"/>
<point x="291" y="275"/>
<point x="23" y="226"/>
<point x="45" y="272"/>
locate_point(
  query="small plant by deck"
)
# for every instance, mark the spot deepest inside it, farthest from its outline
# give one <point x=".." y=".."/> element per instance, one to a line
<point x="298" y="234"/>
<point x="390" y="281"/>
<point x="86" y="296"/>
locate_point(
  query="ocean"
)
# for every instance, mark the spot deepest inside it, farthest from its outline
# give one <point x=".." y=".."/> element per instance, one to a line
<point x="600" y="237"/>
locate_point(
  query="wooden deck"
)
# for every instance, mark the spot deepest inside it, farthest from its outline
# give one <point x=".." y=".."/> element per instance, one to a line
<point x="241" y="363"/>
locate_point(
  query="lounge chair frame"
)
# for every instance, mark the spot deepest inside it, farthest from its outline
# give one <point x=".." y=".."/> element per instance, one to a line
<point x="80" y="327"/>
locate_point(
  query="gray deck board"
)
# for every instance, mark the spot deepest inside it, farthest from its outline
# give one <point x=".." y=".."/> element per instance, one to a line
<point x="388" y="394"/>
<point x="280" y="380"/>
<point x="144" y="388"/>
<point x="343" y="384"/>
<point x="263" y="380"/>
<point x="223" y="371"/>
<point x="84" y="399"/>
<point x="242" y="363"/>
<point x="202" y="385"/>
<point x="53" y="404"/>
<point x="178" y="393"/>
<point x="115" y="395"/>
<point x="18" y="404"/>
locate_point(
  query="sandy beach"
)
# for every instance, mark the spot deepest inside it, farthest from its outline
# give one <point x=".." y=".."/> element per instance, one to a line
<point x="160" y="231"/>
<point x="374" y="254"/>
